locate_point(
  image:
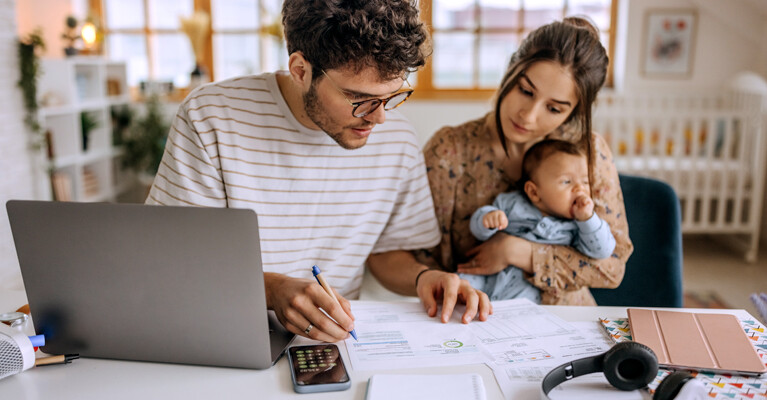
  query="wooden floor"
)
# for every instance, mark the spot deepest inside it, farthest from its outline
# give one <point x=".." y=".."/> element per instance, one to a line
<point x="712" y="267"/>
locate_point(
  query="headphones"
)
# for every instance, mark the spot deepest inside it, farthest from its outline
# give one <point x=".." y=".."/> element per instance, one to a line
<point x="627" y="366"/>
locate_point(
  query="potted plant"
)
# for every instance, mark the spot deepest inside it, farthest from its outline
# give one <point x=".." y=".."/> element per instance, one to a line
<point x="70" y="35"/>
<point x="29" y="74"/>
<point x="145" y="142"/>
<point x="122" y="119"/>
<point x="88" y="122"/>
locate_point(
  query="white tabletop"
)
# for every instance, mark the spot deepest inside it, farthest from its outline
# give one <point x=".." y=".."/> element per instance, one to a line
<point x="99" y="379"/>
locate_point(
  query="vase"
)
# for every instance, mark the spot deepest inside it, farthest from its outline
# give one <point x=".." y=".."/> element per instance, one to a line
<point x="198" y="76"/>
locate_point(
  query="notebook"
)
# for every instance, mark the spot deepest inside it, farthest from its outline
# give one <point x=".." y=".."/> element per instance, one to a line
<point x="706" y="342"/>
<point x="420" y="387"/>
<point x="150" y="283"/>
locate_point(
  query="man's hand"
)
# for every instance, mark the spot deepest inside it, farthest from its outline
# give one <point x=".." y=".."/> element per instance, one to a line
<point x="297" y="303"/>
<point x="435" y="286"/>
<point x="583" y="208"/>
<point x="495" y="219"/>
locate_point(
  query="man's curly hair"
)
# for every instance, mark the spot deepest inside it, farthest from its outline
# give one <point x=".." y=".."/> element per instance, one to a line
<point x="384" y="34"/>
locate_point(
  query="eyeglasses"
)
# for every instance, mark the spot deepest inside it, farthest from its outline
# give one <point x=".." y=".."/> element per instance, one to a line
<point x="365" y="107"/>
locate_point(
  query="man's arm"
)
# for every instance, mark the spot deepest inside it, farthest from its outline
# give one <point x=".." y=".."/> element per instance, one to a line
<point x="397" y="271"/>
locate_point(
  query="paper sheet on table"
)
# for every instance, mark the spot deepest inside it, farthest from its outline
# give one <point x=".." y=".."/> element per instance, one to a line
<point x="517" y="333"/>
<point x="593" y="341"/>
<point x="520" y="332"/>
<point x="393" y="335"/>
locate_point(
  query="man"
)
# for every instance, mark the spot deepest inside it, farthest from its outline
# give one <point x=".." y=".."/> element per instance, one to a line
<point x="334" y="181"/>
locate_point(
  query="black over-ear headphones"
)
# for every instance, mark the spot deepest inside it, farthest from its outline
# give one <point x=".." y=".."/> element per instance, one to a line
<point x="627" y="366"/>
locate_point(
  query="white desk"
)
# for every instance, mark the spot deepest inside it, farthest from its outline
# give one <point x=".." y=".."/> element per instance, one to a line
<point x="101" y="379"/>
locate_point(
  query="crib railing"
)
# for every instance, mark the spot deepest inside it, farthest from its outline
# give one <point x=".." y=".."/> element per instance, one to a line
<point x="710" y="149"/>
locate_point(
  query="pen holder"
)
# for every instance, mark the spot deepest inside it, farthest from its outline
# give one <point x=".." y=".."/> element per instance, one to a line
<point x="16" y="352"/>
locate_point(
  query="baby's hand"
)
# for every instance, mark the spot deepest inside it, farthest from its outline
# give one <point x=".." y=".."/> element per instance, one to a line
<point x="583" y="208"/>
<point x="495" y="219"/>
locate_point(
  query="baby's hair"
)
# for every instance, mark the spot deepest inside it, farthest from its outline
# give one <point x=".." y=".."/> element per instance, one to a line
<point x="539" y="152"/>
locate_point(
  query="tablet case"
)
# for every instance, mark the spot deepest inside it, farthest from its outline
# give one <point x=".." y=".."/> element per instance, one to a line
<point x="708" y="342"/>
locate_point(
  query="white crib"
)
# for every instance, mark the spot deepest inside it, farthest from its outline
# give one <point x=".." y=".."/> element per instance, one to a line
<point x="709" y="148"/>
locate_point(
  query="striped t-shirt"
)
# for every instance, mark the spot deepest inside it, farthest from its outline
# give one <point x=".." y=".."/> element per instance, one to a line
<point x="236" y="144"/>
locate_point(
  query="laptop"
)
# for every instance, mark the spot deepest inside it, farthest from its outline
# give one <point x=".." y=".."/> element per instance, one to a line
<point x="147" y="283"/>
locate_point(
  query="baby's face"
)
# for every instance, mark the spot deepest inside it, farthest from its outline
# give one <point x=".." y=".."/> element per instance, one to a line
<point x="561" y="179"/>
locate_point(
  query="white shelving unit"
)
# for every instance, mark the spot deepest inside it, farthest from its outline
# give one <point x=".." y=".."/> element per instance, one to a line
<point x="84" y="168"/>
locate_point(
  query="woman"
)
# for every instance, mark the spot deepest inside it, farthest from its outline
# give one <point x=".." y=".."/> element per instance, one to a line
<point x="547" y="92"/>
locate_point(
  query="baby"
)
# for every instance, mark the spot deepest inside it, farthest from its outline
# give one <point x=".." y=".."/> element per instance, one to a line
<point x="555" y="207"/>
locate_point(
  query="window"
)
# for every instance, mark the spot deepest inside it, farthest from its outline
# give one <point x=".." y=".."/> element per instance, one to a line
<point x="147" y="35"/>
<point x="474" y="39"/>
<point x="247" y="37"/>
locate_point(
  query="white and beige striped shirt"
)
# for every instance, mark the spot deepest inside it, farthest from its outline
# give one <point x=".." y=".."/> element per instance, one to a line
<point x="236" y="144"/>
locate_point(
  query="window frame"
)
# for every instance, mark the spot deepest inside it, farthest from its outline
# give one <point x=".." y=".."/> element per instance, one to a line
<point x="424" y="86"/>
<point x="97" y="8"/>
<point x="425" y="89"/>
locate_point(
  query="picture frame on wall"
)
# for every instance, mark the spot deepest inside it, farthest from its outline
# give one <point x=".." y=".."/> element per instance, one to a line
<point x="669" y="41"/>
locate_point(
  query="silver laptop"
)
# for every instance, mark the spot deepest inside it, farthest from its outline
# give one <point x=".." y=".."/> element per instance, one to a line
<point x="149" y="283"/>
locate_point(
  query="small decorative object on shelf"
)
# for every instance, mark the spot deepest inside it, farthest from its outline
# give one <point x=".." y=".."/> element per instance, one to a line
<point x="113" y="87"/>
<point x="70" y="35"/>
<point x="88" y="123"/>
<point x="62" y="186"/>
<point x="198" y="76"/>
<point x="90" y="183"/>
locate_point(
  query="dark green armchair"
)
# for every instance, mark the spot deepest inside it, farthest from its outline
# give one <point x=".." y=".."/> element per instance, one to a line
<point x="654" y="271"/>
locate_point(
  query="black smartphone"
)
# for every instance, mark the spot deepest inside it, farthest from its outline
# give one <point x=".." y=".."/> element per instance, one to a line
<point x="318" y="368"/>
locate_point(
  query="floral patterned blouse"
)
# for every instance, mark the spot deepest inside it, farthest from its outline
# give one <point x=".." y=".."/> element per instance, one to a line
<point x="464" y="176"/>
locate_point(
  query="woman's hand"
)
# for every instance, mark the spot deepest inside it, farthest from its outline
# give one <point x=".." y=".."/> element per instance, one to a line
<point x="496" y="254"/>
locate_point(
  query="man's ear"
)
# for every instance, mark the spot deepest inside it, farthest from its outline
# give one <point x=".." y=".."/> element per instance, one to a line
<point x="300" y="70"/>
<point x="532" y="191"/>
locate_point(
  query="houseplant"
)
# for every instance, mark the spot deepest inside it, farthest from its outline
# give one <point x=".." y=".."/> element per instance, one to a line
<point x="145" y="142"/>
<point x="70" y="35"/>
<point x="88" y="122"/>
<point x="29" y="73"/>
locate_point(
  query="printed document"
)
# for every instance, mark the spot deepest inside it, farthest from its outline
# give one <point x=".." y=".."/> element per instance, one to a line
<point x="519" y="334"/>
<point x="395" y="334"/>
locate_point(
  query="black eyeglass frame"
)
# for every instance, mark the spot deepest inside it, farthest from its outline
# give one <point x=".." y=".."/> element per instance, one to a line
<point x="374" y="106"/>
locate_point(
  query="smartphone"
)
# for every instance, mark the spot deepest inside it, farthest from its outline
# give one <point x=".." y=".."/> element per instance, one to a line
<point x="318" y="368"/>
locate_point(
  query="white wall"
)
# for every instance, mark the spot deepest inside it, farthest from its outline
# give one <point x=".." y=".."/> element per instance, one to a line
<point x="50" y="15"/>
<point x="428" y="116"/>
<point x="16" y="172"/>
<point x="730" y="37"/>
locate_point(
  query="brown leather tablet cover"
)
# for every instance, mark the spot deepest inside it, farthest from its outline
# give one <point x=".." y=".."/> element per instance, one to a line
<point x="712" y="342"/>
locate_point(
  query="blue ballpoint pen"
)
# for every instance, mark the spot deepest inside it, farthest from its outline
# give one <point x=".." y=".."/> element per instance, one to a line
<point x="321" y="281"/>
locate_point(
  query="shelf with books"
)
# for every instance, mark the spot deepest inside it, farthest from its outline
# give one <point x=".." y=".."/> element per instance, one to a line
<point x="77" y="94"/>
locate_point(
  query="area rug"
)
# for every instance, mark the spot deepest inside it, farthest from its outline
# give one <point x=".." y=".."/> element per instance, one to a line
<point x="704" y="300"/>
